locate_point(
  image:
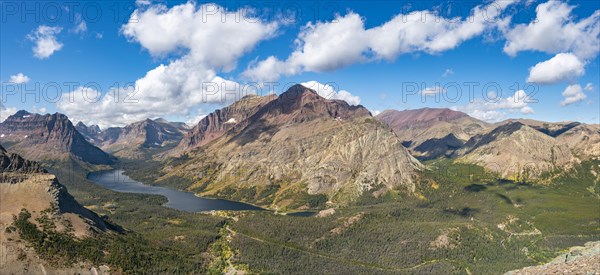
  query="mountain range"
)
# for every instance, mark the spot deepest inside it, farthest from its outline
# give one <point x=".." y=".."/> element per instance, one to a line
<point x="133" y="140"/>
<point x="282" y="151"/>
<point x="49" y="137"/>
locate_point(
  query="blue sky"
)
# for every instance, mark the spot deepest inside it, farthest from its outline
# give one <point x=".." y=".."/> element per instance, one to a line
<point x="365" y="52"/>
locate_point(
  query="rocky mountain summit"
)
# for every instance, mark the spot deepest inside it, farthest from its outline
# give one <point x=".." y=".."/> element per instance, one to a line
<point x="299" y="145"/>
<point x="91" y="133"/>
<point x="49" y="137"/>
<point x="220" y="121"/>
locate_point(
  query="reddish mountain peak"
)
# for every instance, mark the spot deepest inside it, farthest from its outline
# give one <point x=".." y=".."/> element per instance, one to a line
<point x="418" y="117"/>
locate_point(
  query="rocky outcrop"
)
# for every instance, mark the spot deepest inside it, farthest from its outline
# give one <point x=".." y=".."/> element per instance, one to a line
<point x="25" y="185"/>
<point x="49" y="137"/>
<point x="583" y="139"/>
<point x="15" y="163"/>
<point x="516" y="151"/>
<point x="432" y="132"/>
<point x="579" y="260"/>
<point x="300" y="143"/>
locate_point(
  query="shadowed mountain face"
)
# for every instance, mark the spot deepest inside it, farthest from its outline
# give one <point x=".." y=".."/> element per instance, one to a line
<point x="15" y="163"/>
<point x="437" y="147"/>
<point x="90" y="133"/>
<point x="299" y="143"/>
<point x="48" y="138"/>
<point x="432" y="132"/>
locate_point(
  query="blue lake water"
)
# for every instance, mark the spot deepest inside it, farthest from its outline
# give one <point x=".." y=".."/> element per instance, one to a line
<point x="115" y="180"/>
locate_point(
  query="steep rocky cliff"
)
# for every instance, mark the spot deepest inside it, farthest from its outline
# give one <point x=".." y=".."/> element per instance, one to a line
<point x="49" y="138"/>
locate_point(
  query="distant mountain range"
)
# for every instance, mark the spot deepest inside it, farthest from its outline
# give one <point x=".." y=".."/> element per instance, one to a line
<point x="134" y="139"/>
<point x="49" y="137"/>
<point x="429" y="132"/>
<point x="513" y="148"/>
<point x="282" y="151"/>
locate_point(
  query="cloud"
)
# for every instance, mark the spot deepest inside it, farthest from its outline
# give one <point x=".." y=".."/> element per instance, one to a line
<point x="80" y="25"/>
<point x="448" y="72"/>
<point x="431" y="91"/>
<point x="5" y="112"/>
<point x="496" y="109"/>
<point x="142" y="2"/>
<point x="327" y="46"/>
<point x="589" y="87"/>
<point x="205" y="44"/>
<point x="375" y="112"/>
<point x="563" y="66"/>
<point x="210" y="34"/>
<point x="554" y="31"/>
<point x="573" y="93"/>
<point x="45" y="41"/>
<point x="19" y="78"/>
<point x="329" y="92"/>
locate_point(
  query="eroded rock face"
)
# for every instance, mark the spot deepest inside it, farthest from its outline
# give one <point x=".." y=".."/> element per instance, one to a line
<point x="430" y="133"/>
<point x="579" y="260"/>
<point x="304" y="143"/>
<point x="49" y="137"/>
<point x="514" y="150"/>
<point x="15" y="163"/>
<point x="25" y="185"/>
<point x="584" y="140"/>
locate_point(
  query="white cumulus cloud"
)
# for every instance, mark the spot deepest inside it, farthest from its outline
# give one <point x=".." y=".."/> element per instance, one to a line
<point x="573" y="93"/>
<point x="207" y="38"/>
<point x="45" y="41"/>
<point x="19" y="78"/>
<point x="5" y="112"/>
<point x="555" y="30"/>
<point x="329" y="91"/>
<point x="496" y="109"/>
<point x="589" y="87"/>
<point x="563" y="66"/>
<point x="327" y="46"/>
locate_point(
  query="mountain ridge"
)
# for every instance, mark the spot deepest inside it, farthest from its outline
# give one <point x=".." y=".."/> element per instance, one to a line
<point x="49" y="137"/>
